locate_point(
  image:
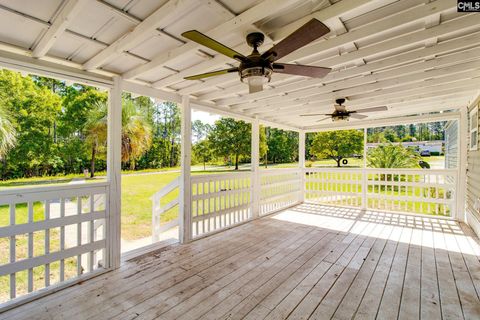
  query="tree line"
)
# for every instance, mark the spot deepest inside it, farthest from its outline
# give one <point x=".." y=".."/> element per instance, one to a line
<point x="48" y="127"/>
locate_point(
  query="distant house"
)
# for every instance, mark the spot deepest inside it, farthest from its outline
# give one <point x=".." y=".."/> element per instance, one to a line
<point x="432" y="146"/>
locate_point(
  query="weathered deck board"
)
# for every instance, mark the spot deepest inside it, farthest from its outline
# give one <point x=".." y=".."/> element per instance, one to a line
<point x="305" y="262"/>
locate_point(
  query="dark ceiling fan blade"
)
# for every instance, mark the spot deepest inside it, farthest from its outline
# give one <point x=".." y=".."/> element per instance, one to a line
<point x="314" y="115"/>
<point x="373" y="109"/>
<point x="358" y="115"/>
<point x="324" y="119"/>
<point x="208" y="42"/>
<point x="301" y="70"/>
<point x="211" y="74"/>
<point x="307" y="33"/>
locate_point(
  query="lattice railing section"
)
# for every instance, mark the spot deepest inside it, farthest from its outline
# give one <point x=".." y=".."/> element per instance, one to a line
<point x="280" y="188"/>
<point x="169" y="195"/>
<point x="339" y="186"/>
<point x="418" y="191"/>
<point x="220" y="201"/>
<point x="49" y="236"/>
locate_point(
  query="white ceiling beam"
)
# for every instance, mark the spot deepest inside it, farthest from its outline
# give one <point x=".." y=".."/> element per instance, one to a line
<point x="221" y="60"/>
<point x="415" y="72"/>
<point x="258" y="12"/>
<point x="218" y="60"/>
<point x="392" y="103"/>
<point x="406" y="109"/>
<point x="334" y="12"/>
<point x="400" y="18"/>
<point x="456" y="79"/>
<point x="23" y="61"/>
<point x="387" y="122"/>
<point x="331" y="12"/>
<point x="162" y="16"/>
<point x="322" y="103"/>
<point x="415" y="13"/>
<point x="67" y="12"/>
<point x="463" y="23"/>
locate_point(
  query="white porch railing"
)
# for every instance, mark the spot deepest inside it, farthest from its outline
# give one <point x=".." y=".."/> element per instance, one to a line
<point x="408" y="190"/>
<point x="220" y="201"/>
<point x="280" y="188"/>
<point x="158" y="210"/>
<point x="51" y="237"/>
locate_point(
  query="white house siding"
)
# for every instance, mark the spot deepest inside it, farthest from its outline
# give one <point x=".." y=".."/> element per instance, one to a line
<point x="473" y="184"/>
<point x="451" y="145"/>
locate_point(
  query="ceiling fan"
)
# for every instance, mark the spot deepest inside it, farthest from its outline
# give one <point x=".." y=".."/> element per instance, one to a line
<point x="257" y="68"/>
<point x="342" y="114"/>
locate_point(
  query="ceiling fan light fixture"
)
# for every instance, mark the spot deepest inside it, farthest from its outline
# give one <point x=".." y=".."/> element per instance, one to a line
<point x="256" y="77"/>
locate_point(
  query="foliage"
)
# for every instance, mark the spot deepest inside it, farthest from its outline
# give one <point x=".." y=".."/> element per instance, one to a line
<point x="231" y="138"/>
<point x="282" y="146"/>
<point x="8" y="132"/>
<point x="392" y="156"/>
<point x="33" y="110"/>
<point x="203" y="152"/>
<point x="403" y="133"/>
<point x="337" y="145"/>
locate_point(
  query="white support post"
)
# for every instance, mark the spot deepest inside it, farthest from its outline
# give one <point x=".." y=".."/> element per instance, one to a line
<point x="185" y="214"/>
<point x="364" y="170"/>
<point x="460" y="211"/>
<point x="114" y="173"/>
<point x="301" y="164"/>
<point x="255" y="163"/>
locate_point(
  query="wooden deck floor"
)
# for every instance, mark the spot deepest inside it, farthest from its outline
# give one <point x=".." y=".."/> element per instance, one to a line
<point x="310" y="261"/>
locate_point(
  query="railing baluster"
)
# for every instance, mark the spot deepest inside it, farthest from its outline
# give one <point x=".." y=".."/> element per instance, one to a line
<point x="30" y="247"/>
<point x="13" y="282"/>
<point x="79" y="236"/>
<point x="47" y="243"/>
<point x="91" y="230"/>
<point x="62" y="240"/>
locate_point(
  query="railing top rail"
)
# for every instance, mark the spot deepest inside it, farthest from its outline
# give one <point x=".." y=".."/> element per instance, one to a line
<point x="221" y="176"/>
<point x="50" y="188"/>
<point x="175" y="183"/>
<point x="385" y="170"/>
<point x="278" y="170"/>
<point x="333" y="169"/>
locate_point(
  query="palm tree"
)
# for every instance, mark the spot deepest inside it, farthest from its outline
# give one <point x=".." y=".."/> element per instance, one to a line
<point x="7" y="132"/>
<point x="96" y="132"/>
<point x="136" y="133"/>
<point x="393" y="156"/>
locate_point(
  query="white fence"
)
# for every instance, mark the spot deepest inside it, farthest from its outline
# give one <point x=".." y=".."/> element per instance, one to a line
<point x="407" y="190"/>
<point x="54" y="234"/>
<point x="279" y="188"/>
<point x="220" y="201"/>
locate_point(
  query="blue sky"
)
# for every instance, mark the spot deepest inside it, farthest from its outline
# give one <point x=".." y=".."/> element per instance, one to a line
<point x="205" y="117"/>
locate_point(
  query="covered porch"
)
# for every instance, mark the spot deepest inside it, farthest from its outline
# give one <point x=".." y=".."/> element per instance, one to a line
<point x="299" y="242"/>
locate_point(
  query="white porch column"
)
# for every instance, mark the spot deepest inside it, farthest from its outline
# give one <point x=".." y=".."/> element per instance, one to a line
<point x="114" y="173"/>
<point x="301" y="164"/>
<point x="185" y="214"/>
<point x="460" y="212"/>
<point x="255" y="163"/>
<point x="364" y="170"/>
